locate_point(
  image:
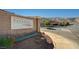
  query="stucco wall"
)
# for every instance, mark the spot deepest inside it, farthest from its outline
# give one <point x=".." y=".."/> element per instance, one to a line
<point x="4" y="23"/>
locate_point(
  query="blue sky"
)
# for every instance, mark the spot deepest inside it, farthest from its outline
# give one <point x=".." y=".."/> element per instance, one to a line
<point x="47" y="12"/>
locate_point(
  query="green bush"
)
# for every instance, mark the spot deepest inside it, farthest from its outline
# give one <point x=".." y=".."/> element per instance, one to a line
<point x="6" y="42"/>
<point x="64" y="23"/>
<point x="46" y="22"/>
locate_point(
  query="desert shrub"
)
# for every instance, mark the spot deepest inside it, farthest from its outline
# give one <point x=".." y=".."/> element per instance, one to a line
<point x="46" y="23"/>
<point x="64" y="23"/>
<point x="6" y="42"/>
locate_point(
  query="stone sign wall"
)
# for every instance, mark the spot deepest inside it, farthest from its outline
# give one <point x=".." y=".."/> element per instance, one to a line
<point x="21" y="23"/>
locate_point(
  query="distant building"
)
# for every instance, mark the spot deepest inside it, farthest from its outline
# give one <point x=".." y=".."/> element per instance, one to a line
<point x="55" y="22"/>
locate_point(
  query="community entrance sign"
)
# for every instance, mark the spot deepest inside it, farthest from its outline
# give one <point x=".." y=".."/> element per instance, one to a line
<point x="16" y="25"/>
<point x="21" y="23"/>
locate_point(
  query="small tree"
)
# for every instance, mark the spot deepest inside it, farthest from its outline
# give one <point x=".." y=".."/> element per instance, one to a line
<point x="46" y="22"/>
<point x="64" y="23"/>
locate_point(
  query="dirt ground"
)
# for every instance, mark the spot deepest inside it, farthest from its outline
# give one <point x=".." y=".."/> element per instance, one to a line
<point x="37" y="42"/>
